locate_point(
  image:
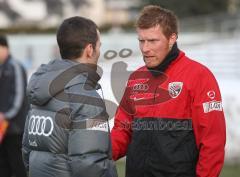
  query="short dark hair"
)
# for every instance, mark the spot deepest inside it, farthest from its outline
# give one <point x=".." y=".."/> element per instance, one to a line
<point x="153" y="15"/>
<point x="3" y="41"/>
<point x="74" y="34"/>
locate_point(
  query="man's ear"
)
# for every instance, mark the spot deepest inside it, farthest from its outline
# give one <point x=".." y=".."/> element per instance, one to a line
<point x="89" y="50"/>
<point x="172" y="39"/>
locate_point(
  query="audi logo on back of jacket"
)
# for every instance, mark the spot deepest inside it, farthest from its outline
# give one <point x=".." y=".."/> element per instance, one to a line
<point x="40" y="125"/>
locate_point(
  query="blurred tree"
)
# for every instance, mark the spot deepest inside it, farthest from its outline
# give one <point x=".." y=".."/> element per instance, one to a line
<point x="191" y="7"/>
<point x="78" y="3"/>
<point x="54" y="7"/>
<point x="233" y="6"/>
<point x="5" y="8"/>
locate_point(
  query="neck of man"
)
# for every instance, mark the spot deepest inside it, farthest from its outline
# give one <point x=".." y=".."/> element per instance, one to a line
<point x="87" y="62"/>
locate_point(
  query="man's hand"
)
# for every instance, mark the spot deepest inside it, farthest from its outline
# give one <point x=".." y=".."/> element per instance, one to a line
<point x="3" y="126"/>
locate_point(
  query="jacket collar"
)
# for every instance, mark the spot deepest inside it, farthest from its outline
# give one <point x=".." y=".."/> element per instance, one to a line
<point x="171" y="56"/>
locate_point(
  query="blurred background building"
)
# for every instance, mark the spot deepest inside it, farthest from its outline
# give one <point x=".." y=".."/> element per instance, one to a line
<point x="209" y="33"/>
<point x="49" y="13"/>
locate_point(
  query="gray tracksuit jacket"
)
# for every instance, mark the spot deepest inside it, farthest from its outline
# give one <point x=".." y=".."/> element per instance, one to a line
<point x="66" y="132"/>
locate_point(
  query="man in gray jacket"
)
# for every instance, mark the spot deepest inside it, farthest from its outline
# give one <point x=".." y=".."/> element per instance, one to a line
<point x="66" y="132"/>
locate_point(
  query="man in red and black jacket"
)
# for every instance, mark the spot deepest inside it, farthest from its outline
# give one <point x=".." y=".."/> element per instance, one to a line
<point x="170" y="122"/>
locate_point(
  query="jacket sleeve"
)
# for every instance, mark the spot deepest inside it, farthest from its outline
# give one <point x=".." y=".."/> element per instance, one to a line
<point x="89" y="141"/>
<point x="25" y="146"/>
<point x="19" y="92"/>
<point x="122" y="132"/>
<point x="208" y="124"/>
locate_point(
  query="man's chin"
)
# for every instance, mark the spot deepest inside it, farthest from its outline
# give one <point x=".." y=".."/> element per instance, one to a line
<point x="149" y="65"/>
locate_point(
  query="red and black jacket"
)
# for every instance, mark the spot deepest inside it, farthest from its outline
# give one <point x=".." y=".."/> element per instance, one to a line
<point x="171" y="124"/>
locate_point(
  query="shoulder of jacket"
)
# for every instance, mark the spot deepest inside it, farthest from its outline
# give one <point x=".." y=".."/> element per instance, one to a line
<point x="197" y="67"/>
<point x="142" y="68"/>
<point x="198" y="72"/>
<point x="137" y="72"/>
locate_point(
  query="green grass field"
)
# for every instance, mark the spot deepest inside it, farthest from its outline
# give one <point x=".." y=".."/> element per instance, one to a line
<point x="228" y="170"/>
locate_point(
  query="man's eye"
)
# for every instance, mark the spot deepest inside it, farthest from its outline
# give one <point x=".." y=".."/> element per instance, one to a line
<point x="142" y="42"/>
<point x="152" y="40"/>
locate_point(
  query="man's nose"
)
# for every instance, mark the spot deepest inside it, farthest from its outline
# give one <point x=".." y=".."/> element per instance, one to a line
<point x="145" y="47"/>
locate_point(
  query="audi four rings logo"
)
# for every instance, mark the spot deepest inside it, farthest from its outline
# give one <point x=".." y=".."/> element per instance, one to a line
<point x="140" y="87"/>
<point x="40" y="125"/>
